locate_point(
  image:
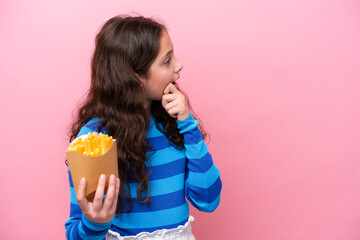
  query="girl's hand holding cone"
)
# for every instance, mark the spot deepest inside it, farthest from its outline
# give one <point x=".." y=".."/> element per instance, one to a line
<point x="97" y="210"/>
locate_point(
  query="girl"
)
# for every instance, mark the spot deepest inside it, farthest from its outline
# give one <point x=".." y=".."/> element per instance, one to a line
<point x="161" y="153"/>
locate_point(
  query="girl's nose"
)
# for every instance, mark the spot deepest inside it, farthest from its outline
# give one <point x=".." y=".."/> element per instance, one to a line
<point x="179" y="66"/>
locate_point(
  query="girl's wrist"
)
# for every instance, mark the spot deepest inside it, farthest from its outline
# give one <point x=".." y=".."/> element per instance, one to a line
<point x="188" y="125"/>
<point x="183" y="117"/>
<point x="94" y="225"/>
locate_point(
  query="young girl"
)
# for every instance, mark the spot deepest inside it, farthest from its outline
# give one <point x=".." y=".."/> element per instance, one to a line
<point x="162" y="157"/>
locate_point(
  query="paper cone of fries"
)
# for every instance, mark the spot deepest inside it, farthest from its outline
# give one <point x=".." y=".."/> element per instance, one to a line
<point x="91" y="166"/>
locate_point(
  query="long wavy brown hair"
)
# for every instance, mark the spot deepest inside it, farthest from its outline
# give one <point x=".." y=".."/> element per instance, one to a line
<point x="125" y="48"/>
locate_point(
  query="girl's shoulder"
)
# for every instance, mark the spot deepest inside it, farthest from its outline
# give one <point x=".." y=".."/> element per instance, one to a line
<point x="91" y="126"/>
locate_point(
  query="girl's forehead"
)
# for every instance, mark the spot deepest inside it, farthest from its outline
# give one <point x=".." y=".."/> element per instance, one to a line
<point x="165" y="44"/>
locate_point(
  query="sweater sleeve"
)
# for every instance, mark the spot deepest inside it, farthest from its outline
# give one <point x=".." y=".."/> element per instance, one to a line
<point x="203" y="184"/>
<point x="78" y="227"/>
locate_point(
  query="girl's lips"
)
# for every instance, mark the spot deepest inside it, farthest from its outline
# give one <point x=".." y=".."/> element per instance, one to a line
<point x="174" y="81"/>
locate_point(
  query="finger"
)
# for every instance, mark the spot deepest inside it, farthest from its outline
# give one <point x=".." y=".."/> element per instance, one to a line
<point x="99" y="194"/>
<point x="110" y="194"/>
<point x="163" y="102"/>
<point x="170" y="88"/>
<point x="173" y="112"/>
<point x="117" y="189"/>
<point x="80" y="195"/>
<point x="169" y="97"/>
<point x="170" y="105"/>
<point x="167" y="88"/>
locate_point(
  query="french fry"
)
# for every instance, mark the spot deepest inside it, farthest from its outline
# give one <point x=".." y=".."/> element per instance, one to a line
<point x="97" y="152"/>
<point x="94" y="135"/>
<point x="80" y="148"/>
<point x="87" y="145"/>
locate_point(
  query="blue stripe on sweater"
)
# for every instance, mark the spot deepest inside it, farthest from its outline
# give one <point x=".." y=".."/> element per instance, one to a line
<point x="84" y="130"/>
<point x="154" y="131"/>
<point x="73" y="199"/>
<point x="152" y="219"/>
<point x="158" y="143"/>
<point x="203" y="194"/>
<point x="188" y="124"/>
<point x="70" y="178"/>
<point x="165" y="201"/>
<point x="77" y="234"/>
<point x="193" y="137"/>
<point x="202" y="164"/>
<point x="94" y="236"/>
<point x="95" y="226"/>
<point x="68" y="232"/>
<point x="204" y="206"/>
<point x="165" y="156"/>
<point x="162" y="186"/>
<point x="71" y="230"/>
<point x="75" y="210"/>
<point x="197" y="150"/>
<point x="91" y="126"/>
<point x="89" y="231"/>
<point x="204" y="180"/>
<point x="167" y="170"/>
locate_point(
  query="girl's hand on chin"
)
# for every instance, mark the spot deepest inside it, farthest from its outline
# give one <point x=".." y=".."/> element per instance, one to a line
<point x="175" y="103"/>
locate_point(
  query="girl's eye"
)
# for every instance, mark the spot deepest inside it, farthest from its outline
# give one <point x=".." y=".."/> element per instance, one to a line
<point x="168" y="61"/>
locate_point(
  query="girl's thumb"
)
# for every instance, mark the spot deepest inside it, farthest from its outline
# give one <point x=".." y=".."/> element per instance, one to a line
<point x="170" y="88"/>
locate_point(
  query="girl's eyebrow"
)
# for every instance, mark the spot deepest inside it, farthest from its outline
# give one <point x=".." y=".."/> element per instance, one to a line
<point x="168" y="53"/>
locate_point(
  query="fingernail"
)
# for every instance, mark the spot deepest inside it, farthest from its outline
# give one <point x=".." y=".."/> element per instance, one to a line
<point x="102" y="177"/>
<point x="82" y="181"/>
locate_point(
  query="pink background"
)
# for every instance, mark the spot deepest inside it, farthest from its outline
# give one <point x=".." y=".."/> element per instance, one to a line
<point x="276" y="84"/>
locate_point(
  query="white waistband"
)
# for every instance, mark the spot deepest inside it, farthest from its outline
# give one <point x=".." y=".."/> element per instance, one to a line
<point x="182" y="232"/>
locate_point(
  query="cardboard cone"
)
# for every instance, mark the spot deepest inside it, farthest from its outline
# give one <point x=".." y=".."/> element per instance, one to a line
<point x="91" y="168"/>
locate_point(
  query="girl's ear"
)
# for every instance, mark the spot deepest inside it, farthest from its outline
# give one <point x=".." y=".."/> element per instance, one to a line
<point x="142" y="79"/>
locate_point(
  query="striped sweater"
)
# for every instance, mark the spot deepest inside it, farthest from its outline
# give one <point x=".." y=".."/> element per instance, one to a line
<point x="175" y="174"/>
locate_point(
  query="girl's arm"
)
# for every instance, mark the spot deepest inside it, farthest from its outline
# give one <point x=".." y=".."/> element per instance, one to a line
<point x="79" y="227"/>
<point x="203" y="184"/>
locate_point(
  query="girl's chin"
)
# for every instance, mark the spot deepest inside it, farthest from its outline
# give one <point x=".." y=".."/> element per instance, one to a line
<point x="158" y="99"/>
